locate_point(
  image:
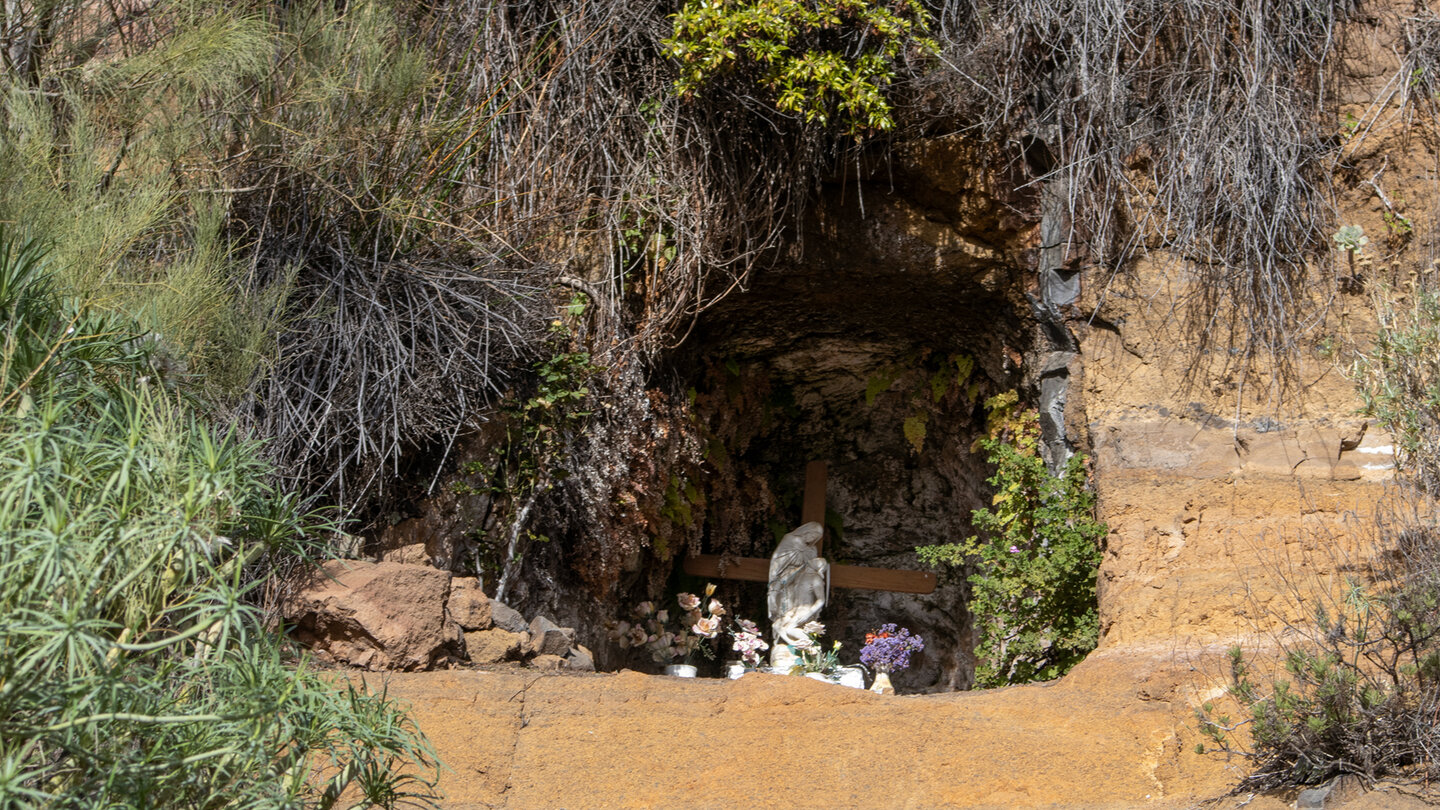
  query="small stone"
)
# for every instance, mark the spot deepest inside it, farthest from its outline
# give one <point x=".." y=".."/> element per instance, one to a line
<point x="580" y="659"/>
<point x="548" y="638"/>
<point x="470" y="608"/>
<point x="413" y="554"/>
<point x="1312" y="799"/>
<point x="506" y="617"/>
<point x="347" y="546"/>
<point x="493" y="646"/>
<point x="547" y="663"/>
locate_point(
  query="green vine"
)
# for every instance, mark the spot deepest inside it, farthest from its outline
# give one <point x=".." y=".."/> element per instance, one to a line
<point x="921" y="374"/>
<point x="538" y="430"/>
<point x="1034" y="560"/>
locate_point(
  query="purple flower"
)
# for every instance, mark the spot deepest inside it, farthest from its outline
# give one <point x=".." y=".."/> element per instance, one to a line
<point x="889" y="648"/>
<point x="1014" y="550"/>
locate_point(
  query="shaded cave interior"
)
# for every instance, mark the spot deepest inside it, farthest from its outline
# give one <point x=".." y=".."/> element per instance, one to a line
<point x="874" y="354"/>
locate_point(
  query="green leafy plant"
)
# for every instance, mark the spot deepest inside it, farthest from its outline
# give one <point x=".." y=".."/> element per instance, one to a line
<point x="914" y="429"/>
<point x="1397" y="223"/>
<point x="1349" y="126"/>
<point x="812" y="656"/>
<point x="1033" y="564"/>
<point x="925" y="379"/>
<point x="1351" y="238"/>
<point x="136" y="670"/>
<point x="1399" y="381"/>
<point x="828" y="61"/>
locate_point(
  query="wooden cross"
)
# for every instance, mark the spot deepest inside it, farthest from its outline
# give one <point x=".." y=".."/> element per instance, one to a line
<point x="751" y="569"/>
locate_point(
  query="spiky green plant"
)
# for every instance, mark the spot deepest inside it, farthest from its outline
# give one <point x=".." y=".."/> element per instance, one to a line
<point x="116" y="154"/>
<point x="133" y="669"/>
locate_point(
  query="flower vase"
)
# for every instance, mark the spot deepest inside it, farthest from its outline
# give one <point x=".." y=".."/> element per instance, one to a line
<point x="681" y="670"/>
<point x="882" y="686"/>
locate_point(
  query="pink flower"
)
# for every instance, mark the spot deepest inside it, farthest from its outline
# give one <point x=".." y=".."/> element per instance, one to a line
<point x="644" y="609"/>
<point x="637" y="637"/>
<point x="715" y="608"/>
<point x="707" y="627"/>
<point x="662" y="616"/>
<point x="748" y="643"/>
<point x="813" y="628"/>
<point x="1014" y="550"/>
<point x="689" y="601"/>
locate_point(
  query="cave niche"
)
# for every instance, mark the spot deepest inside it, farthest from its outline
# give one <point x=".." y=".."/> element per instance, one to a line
<point x="872" y="349"/>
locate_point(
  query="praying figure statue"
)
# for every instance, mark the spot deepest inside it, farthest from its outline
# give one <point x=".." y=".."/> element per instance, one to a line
<point x="799" y="587"/>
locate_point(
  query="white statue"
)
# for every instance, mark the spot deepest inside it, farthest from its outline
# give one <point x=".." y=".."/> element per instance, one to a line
<point x="799" y="587"/>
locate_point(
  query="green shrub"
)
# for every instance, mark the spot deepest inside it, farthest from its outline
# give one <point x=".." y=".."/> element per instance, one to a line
<point x="1034" y="564"/>
<point x="829" y="61"/>
<point x="134" y="670"/>
<point x="1361" y="682"/>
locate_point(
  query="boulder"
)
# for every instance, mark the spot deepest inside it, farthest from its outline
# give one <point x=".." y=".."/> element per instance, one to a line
<point x="507" y="618"/>
<point x="469" y="607"/>
<point x="580" y="659"/>
<point x="375" y="615"/>
<point x="493" y="646"/>
<point x="549" y="638"/>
